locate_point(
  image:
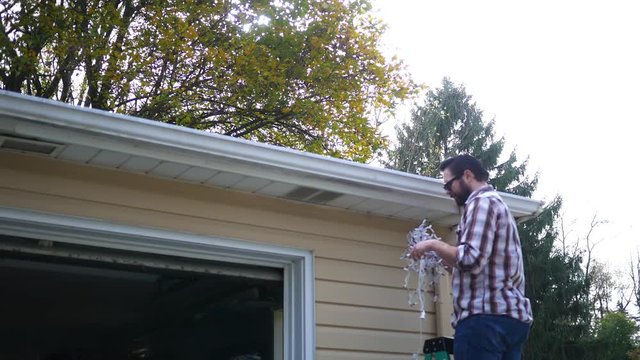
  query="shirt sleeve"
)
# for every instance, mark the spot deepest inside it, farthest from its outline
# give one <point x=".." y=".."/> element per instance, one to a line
<point x="477" y="237"/>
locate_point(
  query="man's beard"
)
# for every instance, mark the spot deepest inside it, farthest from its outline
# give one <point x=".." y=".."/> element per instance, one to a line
<point x="463" y="195"/>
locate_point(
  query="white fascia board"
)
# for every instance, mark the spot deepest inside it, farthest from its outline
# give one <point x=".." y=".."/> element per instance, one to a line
<point x="522" y="207"/>
<point x="65" y="123"/>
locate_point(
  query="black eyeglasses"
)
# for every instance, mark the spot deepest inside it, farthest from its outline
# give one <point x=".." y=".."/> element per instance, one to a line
<point x="448" y="184"/>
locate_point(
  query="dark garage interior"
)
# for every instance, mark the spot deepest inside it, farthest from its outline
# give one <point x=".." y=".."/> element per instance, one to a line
<point x="71" y="302"/>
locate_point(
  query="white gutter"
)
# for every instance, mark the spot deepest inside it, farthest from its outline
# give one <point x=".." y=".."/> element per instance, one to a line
<point x="65" y="123"/>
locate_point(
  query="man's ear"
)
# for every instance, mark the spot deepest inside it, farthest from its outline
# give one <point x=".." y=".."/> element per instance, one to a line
<point x="468" y="175"/>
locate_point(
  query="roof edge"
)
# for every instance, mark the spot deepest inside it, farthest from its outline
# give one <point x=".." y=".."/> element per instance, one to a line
<point x="172" y="138"/>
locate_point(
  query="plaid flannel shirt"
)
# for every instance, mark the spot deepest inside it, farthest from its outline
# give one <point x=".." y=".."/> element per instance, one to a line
<point x="488" y="277"/>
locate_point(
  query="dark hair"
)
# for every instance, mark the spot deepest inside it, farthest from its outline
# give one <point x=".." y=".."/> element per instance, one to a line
<point x="458" y="164"/>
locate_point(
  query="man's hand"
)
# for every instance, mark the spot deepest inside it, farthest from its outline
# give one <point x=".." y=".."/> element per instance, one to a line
<point x="446" y="252"/>
<point x="420" y="248"/>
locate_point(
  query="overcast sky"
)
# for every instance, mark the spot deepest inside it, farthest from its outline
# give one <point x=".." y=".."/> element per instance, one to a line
<point x="561" y="79"/>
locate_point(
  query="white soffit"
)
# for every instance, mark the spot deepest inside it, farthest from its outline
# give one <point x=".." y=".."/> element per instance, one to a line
<point x="139" y="145"/>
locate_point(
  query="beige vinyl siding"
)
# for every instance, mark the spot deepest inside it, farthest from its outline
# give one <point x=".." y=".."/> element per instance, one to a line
<point x="361" y="307"/>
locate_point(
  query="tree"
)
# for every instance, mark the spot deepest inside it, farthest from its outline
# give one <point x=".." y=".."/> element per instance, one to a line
<point x="558" y="289"/>
<point x="297" y="73"/>
<point x="624" y="290"/>
<point x="615" y="337"/>
<point x="634" y="276"/>
<point x="447" y="124"/>
<point x="602" y="287"/>
<point x="599" y="281"/>
<point x="450" y="123"/>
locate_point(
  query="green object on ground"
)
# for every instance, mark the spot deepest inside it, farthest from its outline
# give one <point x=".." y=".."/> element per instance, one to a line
<point x="440" y="355"/>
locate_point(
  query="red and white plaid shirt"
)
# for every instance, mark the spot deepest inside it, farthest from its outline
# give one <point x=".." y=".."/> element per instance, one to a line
<point x="488" y="277"/>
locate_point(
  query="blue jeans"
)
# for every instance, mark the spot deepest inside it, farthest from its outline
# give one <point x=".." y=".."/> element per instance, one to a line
<point x="490" y="337"/>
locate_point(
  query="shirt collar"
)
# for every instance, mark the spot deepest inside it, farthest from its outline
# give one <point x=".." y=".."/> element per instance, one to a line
<point x="479" y="191"/>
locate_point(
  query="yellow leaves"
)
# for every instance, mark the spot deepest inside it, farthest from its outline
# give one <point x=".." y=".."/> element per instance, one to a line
<point x="312" y="72"/>
<point x="315" y="42"/>
<point x="356" y="105"/>
<point x="260" y="5"/>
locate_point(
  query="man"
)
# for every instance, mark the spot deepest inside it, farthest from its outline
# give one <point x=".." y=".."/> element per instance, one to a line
<point x="491" y="315"/>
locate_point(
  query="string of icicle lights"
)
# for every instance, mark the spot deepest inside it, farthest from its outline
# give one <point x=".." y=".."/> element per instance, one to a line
<point x="427" y="271"/>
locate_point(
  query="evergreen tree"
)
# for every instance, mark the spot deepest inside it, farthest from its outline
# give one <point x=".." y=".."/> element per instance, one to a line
<point x="448" y="124"/>
<point x="558" y="289"/>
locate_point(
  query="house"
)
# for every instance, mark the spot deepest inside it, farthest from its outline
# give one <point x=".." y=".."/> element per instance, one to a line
<point x="127" y="238"/>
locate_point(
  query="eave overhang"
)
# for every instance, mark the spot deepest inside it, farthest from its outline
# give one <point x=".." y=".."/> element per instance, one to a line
<point x="183" y="154"/>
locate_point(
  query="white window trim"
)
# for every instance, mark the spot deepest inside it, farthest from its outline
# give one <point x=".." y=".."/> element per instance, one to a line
<point x="297" y="265"/>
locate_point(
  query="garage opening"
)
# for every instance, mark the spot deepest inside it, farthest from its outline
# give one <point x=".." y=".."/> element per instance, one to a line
<point x="69" y="301"/>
